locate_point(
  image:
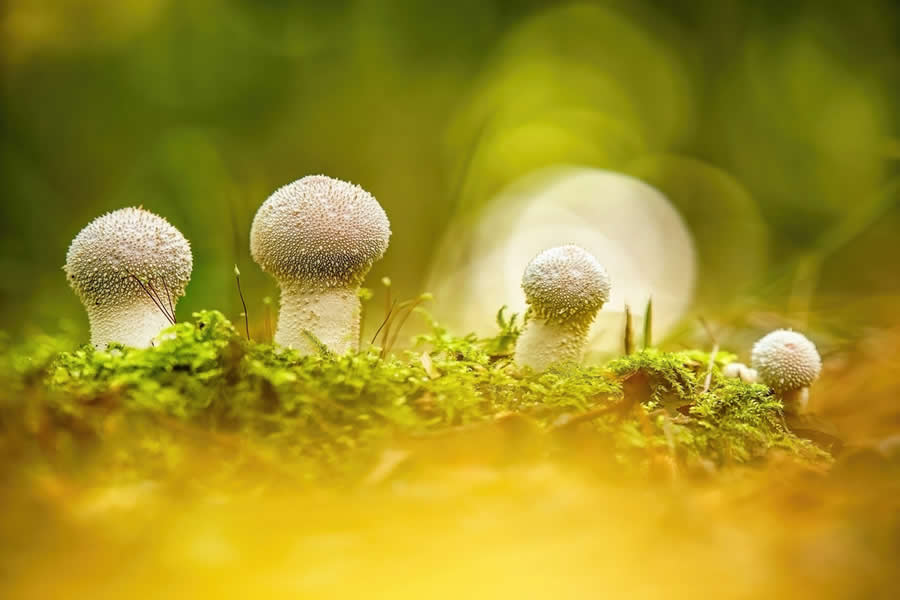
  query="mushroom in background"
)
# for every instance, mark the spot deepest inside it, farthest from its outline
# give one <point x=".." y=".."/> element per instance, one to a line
<point x="318" y="237"/>
<point x="737" y="370"/>
<point x="564" y="287"/>
<point x="788" y="363"/>
<point x="129" y="268"/>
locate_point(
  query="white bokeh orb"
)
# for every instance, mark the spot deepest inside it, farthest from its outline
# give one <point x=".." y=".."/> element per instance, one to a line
<point x="632" y="229"/>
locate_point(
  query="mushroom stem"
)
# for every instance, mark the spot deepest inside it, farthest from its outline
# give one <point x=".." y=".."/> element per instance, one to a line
<point x="795" y="402"/>
<point x="331" y="315"/>
<point x="134" y="324"/>
<point x="544" y="343"/>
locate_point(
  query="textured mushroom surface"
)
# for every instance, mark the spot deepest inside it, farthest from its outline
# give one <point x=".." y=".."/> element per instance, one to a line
<point x="105" y="261"/>
<point x="564" y="288"/>
<point x="565" y="283"/>
<point x="319" y="231"/>
<point x="786" y="360"/>
<point x="318" y="237"/>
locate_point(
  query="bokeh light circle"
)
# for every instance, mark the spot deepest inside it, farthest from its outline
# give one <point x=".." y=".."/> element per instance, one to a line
<point x="632" y="229"/>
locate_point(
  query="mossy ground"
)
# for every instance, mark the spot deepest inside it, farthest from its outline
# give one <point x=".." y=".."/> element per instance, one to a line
<point x="324" y="416"/>
<point x="422" y="474"/>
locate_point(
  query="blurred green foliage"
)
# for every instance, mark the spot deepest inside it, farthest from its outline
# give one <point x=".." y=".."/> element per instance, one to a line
<point x="768" y="122"/>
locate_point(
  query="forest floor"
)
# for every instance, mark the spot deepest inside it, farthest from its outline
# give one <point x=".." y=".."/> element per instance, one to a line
<point x="214" y="466"/>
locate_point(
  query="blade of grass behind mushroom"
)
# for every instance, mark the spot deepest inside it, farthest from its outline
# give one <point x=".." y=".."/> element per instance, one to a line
<point x="648" y="324"/>
<point x="237" y="277"/>
<point x="629" y="331"/>
<point x="409" y="306"/>
<point x="712" y="355"/>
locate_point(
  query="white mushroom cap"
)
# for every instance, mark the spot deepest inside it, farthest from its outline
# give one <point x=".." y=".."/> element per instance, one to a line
<point x="565" y="284"/>
<point x="786" y="360"/>
<point x="319" y="232"/>
<point x="131" y="241"/>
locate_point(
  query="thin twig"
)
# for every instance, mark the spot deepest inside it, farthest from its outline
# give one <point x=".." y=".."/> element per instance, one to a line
<point x="386" y="335"/>
<point x="169" y="297"/>
<point x="149" y="295"/>
<point x="388" y="305"/>
<point x="712" y="355"/>
<point x="383" y="323"/>
<point x="237" y="276"/>
<point x="161" y="303"/>
<point x="590" y="415"/>
<point x="412" y="306"/>
<point x="158" y="299"/>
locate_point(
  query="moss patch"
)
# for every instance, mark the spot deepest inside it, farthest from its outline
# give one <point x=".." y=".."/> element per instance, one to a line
<point x="321" y="417"/>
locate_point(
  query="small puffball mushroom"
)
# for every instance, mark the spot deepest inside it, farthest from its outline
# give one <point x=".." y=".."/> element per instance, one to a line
<point x="318" y="237"/>
<point x="564" y="288"/>
<point x="788" y="363"/>
<point x="740" y="371"/>
<point x="129" y="268"/>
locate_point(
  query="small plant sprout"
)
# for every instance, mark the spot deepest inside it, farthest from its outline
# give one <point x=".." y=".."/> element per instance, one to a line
<point x="318" y="237"/>
<point x="789" y="363"/>
<point x="564" y="288"/>
<point x="129" y="268"/>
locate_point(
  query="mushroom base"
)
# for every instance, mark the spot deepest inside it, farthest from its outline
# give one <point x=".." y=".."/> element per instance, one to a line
<point x="133" y="325"/>
<point x="331" y="316"/>
<point x="543" y="344"/>
<point x="795" y="401"/>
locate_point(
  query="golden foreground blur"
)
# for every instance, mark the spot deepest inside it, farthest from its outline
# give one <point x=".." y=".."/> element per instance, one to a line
<point x="479" y="512"/>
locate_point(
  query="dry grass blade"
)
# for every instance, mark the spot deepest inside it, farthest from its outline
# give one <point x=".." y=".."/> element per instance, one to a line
<point x="648" y="324"/>
<point x="387" y="317"/>
<point x="169" y="298"/>
<point x="712" y="355"/>
<point x="154" y="299"/>
<point x="237" y="277"/>
<point x="629" y="331"/>
<point x="160" y="303"/>
<point x="409" y="306"/>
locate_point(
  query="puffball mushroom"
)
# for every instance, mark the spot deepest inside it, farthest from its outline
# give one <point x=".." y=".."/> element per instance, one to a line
<point x="740" y="371"/>
<point x="129" y="268"/>
<point x="564" y="288"/>
<point x="318" y="237"/>
<point x="788" y="363"/>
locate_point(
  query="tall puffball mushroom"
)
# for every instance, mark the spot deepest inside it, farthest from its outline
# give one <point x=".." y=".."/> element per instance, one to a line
<point x="129" y="268"/>
<point x="319" y="237"/>
<point x="788" y="363"/>
<point x="564" y="287"/>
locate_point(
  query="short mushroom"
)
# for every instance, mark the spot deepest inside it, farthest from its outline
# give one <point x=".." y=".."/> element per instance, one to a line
<point x="129" y="268"/>
<point x="318" y="237"/>
<point x="737" y="370"/>
<point x="788" y="363"/>
<point x="564" y="288"/>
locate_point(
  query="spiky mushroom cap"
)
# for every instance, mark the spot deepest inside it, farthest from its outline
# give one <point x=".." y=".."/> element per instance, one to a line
<point x="565" y="284"/>
<point x="786" y="360"/>
<point x="107" y="257"/>
<point x="319" y="232"/>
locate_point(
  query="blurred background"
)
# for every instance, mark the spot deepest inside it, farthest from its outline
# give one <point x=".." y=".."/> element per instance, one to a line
<point x="734" y="160"/>
<point x="737" y="161"/>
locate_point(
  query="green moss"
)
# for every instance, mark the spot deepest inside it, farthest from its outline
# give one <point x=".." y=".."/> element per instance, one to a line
<point x="324" y="415"/>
